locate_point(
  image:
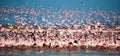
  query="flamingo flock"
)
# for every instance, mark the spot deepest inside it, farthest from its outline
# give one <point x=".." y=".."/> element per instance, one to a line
<point x="60" y="28"/>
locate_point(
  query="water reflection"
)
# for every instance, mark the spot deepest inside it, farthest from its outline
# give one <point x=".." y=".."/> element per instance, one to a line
<point x="54" y="53"/>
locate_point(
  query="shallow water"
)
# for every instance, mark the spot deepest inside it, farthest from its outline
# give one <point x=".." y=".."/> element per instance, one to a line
<point x="62" y="53"/>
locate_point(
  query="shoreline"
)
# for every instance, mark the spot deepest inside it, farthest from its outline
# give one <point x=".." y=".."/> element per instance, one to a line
<point x="57" y="48"/>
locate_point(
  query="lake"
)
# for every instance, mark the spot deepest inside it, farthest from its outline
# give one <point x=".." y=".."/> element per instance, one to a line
<point x="62" y="53"/>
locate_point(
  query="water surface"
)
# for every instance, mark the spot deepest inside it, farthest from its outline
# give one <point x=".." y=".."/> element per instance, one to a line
<point x="62" y="53"/>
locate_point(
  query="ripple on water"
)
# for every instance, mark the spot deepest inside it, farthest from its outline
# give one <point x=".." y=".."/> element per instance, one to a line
<point x="54" y="53"/>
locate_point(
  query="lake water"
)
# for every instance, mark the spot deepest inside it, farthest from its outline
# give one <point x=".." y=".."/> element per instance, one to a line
<point x="62" y="53"/>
